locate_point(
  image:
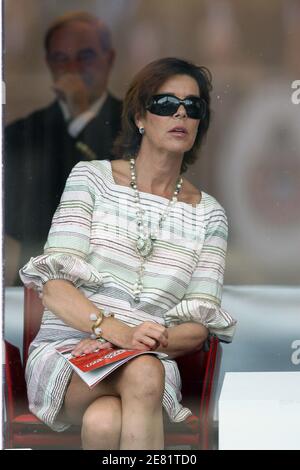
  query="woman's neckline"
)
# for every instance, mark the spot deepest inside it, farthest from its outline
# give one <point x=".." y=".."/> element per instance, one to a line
<point x="109" y="165"/>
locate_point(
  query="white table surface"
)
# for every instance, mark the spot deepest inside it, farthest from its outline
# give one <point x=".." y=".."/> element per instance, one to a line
<point x="260" y="410"/>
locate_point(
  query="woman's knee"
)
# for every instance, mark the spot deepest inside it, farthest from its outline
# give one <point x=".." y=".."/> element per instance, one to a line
<point x="101" y="423"/>
<point x="143" y="378"/>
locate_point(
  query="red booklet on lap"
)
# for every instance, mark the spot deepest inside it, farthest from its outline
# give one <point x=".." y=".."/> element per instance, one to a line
<point x="94" y="367"/>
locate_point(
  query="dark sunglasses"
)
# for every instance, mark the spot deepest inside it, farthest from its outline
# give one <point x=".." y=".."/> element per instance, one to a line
<point x="167" y="105"/>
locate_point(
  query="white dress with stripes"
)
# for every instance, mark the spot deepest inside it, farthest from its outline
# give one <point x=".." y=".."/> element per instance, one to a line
<point x="92" y="244"/>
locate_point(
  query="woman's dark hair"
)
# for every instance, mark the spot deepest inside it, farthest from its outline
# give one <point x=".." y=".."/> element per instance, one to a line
<point x="143" y="87"/>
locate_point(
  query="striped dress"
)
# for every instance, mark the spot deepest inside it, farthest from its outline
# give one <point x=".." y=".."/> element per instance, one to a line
<point x="92" y="244"/>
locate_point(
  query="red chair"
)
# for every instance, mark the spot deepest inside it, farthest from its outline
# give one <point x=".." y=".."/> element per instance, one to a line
<point x="23" y="430"/>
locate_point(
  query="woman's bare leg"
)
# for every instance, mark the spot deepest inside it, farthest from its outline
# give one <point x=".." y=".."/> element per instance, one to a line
<point x="101" y="424"/>
<point x="141" y="387"/>
<point x="79" y="397"/>
<point x="98" y="410"/>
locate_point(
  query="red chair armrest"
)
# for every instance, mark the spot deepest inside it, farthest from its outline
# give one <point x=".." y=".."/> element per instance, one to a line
<point x="15" y="386"/>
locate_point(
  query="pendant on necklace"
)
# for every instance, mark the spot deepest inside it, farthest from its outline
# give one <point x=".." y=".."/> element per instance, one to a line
<point x="144" y="245"/>
<point x="145" y="242"/>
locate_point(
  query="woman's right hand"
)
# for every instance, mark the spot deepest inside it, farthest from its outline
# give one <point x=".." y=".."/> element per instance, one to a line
<point x="147" y="336"/>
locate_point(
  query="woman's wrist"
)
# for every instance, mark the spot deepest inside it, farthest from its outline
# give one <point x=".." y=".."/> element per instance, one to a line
<point x="116" y="332"/>
<point x="97" y="318"/>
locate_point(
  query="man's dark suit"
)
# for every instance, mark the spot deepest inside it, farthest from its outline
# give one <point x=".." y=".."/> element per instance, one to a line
<point x="39" y="155"/>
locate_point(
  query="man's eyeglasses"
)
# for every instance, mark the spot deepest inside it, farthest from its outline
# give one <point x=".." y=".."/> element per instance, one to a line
<point x="167" y="105"/>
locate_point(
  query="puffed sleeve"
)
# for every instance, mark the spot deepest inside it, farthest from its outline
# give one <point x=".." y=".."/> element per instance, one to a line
<point x="68" y="242"/>
<point x="202" y="300"/>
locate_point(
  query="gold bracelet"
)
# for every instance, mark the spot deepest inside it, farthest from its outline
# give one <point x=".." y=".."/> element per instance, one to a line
<point x="97" y="318"/>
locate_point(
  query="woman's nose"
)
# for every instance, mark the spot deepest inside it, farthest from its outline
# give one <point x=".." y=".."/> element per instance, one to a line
<point x="181" y="112"/>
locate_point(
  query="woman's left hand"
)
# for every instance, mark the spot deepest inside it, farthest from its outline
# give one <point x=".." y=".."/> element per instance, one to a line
<point x="88" y="345"/>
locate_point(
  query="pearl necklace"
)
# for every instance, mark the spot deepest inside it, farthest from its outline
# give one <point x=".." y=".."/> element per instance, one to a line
<point x="146" y="239"/>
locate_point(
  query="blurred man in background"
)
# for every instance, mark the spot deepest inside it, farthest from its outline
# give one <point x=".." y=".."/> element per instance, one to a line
<point x="81" y="124"/>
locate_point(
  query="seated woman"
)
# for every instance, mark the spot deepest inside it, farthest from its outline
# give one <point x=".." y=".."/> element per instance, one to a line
<point x="136" y="237"/>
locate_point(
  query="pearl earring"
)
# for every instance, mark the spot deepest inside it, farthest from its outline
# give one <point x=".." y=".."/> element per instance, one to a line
<point x="141" y="130"/>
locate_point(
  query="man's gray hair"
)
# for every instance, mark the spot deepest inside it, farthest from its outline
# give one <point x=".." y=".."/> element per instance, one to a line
<point x="104" y="31"/>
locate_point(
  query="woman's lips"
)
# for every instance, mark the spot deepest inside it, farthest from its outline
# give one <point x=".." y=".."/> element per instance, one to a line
<point x="179" y="131"/>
